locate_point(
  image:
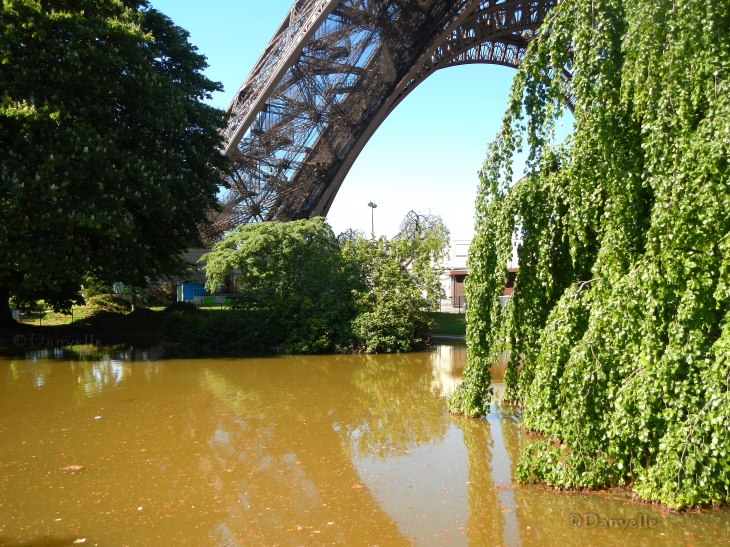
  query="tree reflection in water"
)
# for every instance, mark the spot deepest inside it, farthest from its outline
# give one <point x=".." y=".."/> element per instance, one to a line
<point x="484" y="525"/>
<point x="358" y="450"/>
<point x="296" y="424"/>
<point x="395" y="407"/>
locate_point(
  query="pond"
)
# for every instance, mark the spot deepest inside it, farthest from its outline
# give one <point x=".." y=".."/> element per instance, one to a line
<point x="123" y="447"/>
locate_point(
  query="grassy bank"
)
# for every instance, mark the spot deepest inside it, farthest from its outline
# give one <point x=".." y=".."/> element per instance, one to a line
<point x="453" y="324"/>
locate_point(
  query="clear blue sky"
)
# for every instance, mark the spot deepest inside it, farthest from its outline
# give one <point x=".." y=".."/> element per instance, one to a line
<point x="424" y="157"/>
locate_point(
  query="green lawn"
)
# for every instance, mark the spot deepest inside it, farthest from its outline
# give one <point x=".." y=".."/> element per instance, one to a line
<point x="448" y="323"/>
<point x="81" y="315"/>
<point x="49" y="318"/>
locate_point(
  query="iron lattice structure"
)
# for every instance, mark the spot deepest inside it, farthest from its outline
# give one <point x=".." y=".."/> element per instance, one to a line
<point x="332" y="73"/>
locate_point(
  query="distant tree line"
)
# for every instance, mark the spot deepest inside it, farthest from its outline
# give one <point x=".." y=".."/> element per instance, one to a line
<point x="304" y="290"/>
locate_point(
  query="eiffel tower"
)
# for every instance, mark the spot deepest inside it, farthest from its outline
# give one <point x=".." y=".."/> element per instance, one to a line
<point x="330" y="76"/>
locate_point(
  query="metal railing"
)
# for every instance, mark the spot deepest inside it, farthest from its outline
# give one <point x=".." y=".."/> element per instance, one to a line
<point x="459" y="302"/>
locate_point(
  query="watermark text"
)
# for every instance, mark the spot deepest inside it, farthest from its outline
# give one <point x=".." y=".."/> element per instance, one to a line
<point x="593" y="520"/>
<point x="37" y="341"/>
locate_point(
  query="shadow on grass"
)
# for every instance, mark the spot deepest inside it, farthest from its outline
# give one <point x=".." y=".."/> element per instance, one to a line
<point x="142" y="322"/>
<point x="103" y="329"/>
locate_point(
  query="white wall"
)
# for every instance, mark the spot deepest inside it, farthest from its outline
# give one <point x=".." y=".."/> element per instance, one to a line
<point x="456" y="260"/>
<point x="459" y="253"/>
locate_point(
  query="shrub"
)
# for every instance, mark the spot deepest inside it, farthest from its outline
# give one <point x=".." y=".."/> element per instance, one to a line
<point x="160" y="295"/>
<point x="182" y="307"/>
<point x="93" y="287"/>
<point x="245" y="331"/>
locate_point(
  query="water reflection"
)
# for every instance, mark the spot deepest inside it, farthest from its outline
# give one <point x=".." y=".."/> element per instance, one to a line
<point x="125" y="448"/>
<point x="448" y="361"/>
<point x="503" y="425"/>
<point x="300" y="443"/>
<point x="93" y="369"/>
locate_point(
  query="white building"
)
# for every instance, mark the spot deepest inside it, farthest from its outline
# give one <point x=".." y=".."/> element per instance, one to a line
<point x="456" y="271"/>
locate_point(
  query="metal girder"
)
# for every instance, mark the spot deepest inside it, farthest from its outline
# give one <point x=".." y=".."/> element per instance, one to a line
<point x="331" y="75"/>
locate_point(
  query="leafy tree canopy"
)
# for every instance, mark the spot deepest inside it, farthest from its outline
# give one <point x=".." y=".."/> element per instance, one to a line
<point x="309" y="291"/>
<point x="293" y="278"/>
<point x="618" y="327"/>
<point x="402" y="277"/>
<point x="108" y="156"/>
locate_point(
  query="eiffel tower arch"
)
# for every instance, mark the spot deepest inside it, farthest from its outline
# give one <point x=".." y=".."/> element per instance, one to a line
<point x="330" y="76"/>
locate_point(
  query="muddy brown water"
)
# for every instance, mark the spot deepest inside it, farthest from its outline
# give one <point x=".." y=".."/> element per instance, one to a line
<point x="121" y="447"/>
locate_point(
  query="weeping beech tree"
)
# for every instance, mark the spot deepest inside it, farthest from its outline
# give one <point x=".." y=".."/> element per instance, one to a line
<point x="618" y="327"/>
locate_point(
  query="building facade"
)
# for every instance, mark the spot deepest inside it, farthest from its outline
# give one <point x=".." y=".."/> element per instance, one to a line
<point x="456" y="272"/>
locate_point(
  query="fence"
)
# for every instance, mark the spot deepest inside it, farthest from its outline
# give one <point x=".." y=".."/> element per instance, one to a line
<point x="448" y="305"/>
<point x="42" y="315"/>
<point x="459" y="302"/>
<point x="212" y="301"/>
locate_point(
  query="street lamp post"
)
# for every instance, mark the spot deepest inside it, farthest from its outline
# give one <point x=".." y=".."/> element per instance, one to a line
<point x="372" y="216"/>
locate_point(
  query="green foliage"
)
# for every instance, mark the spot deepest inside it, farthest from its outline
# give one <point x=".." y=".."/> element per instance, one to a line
<point x="110" y="302"/>
<point x="391" y="308"/>
<point x="618" y="327"/>
<point x="109" y="158"/>
<point x="293" y="280"/>
<point x="302" y="290"/>
<point x="23" y="306"/>
<point x="94" y="287"/>
<point x="402" y="283"/>
<point x="211" y="331"/>
<point x="163" y="294"/>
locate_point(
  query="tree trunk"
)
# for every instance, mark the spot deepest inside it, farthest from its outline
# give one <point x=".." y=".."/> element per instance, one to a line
<point x="134" y="298"/>
<point x="6" y="318"/>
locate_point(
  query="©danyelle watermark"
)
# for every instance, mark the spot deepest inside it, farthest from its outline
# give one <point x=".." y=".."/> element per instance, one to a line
<point x="592" y="520"/>
<point x="37" y="341"/>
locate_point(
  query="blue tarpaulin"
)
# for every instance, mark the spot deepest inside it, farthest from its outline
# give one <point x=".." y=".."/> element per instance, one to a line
<point x="189" y="291"/>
